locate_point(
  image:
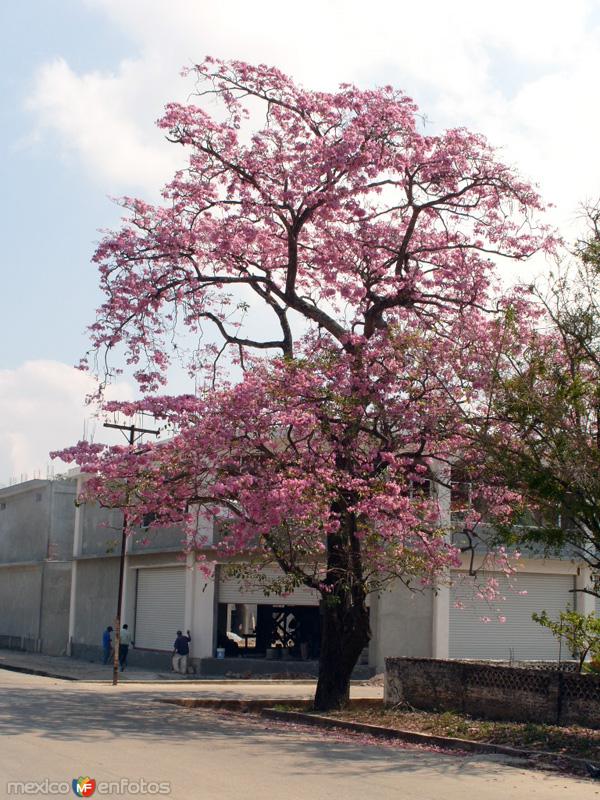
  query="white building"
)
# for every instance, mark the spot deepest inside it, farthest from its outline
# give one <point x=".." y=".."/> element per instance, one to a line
<point x="77" y="550"/>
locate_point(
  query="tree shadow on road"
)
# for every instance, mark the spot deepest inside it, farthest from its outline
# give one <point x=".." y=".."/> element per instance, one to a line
<point x="67" y="712"/>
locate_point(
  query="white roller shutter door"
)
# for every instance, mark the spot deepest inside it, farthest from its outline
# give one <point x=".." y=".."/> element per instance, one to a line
<point x="234" y="590"/>
<point x="519" y="636"/>
<point x="160" y="607"/>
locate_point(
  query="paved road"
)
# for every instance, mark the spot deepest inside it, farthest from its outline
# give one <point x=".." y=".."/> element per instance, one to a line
<point x="57" y="731"/>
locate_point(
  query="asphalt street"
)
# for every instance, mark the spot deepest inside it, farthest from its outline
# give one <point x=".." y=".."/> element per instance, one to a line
<point x="55" y="731"/>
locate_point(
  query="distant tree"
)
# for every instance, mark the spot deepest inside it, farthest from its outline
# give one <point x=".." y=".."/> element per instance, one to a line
<point x="580" y="632"/>
<point x="541" y="429"/>
<point x="365" y="248"/>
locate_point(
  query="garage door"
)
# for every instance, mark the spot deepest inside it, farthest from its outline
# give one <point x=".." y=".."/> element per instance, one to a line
<point x="519" y="637"/>
<point x="234" y="590"/>
<point x="160" y="607"/>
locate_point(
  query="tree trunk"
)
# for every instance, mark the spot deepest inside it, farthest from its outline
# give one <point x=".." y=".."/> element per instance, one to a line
<point x="344" y="634"/>
<point x="345" y="628"/>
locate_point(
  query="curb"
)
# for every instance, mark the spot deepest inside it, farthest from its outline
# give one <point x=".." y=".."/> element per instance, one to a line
<point x="414" y="737"/>
<point x="162" y="681"/>
<point x="168" y="681"/>
<point x="248" y="703"/>
<point x="234" y="681"/>
<point x="242" y="705"/>
<point x="245" y="704"/>
<point x="191" y="682"/>
<point x="40" y="672"/>
<point x="198" y="682"/>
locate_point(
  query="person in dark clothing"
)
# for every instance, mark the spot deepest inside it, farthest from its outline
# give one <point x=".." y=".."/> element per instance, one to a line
<point x="107" y="644"/>
<point x="181" y="651"/>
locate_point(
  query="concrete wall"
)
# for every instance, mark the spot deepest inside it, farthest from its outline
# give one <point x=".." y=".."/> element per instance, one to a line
<point x="20" y="599"/>
<point x="54" y="623"/>
<point x="95" y="599"/>
<point x="36" y="521"/>
<point x="36" y="541"/>
<point x="101" y="530"/>
<point x="62" y="520"/>
<point x="24" y="522"/>
<point x="156" y="539"/>
<point x="34" y="604"/>
<point x="401" y="624"/>
<point x="494" y="692"/>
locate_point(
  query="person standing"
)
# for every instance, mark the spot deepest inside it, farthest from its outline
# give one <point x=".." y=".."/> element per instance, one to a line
<point x="107" y="644"/>
<point x="181" y="651"/>
<point x="124" y="643"/>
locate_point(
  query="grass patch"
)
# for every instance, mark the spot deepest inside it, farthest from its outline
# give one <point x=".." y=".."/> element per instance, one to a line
<point x="573" y="740"/>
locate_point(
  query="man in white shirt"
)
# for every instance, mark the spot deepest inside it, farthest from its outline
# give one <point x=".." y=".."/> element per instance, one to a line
<point x="124" y="646"/>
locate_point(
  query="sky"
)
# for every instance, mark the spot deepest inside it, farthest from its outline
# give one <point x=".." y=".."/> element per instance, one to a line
<point x="83" y="81"/>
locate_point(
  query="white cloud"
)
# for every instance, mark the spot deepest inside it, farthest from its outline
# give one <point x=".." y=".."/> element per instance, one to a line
<point x="102" y="118"/>
<point x="42" y="409"/>
<point x="523" y="73"/>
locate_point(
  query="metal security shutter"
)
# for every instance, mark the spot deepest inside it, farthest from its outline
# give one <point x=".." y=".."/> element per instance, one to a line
<point x="528" y="641"/>
<point x="159" y="607"/>
<point x="232" y="590"/>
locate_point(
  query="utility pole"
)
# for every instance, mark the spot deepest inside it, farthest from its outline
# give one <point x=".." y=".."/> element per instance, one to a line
<point x="133" y="434"/>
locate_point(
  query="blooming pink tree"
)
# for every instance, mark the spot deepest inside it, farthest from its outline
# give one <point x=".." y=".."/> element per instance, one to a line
<point x="364" y="245"/>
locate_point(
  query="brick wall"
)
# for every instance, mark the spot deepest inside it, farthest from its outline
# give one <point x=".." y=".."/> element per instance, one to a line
<point x="494" y="692"/>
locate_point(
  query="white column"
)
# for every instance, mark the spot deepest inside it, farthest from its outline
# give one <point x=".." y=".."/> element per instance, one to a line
<point x="440" y="644"/>
<point x="77" y="539"/>
<point x="129" y="595"/>
<point x="440" y="627"/>
<point x="126" y="606"/>
<point x="203" y="614"/>
<point x="189" y="593"/>
<point x="584" y="603"/>
<point x="200" y="597"/>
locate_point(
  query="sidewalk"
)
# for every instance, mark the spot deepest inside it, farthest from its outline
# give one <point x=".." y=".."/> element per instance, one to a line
<point x="72" y="669"/>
